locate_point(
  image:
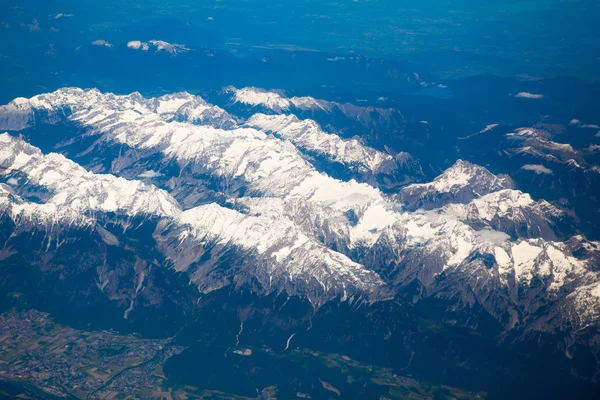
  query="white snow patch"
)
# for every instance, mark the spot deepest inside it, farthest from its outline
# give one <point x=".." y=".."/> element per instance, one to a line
<point x="502" y="257"/>
<point x="255" y="97"/>
<point x="524" y="255"/>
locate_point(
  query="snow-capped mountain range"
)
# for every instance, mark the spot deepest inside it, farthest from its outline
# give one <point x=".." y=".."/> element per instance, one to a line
<point x="364" y="163"/>
<point x="276" y="101"/>
<point x="303" y="211"/>
<point x="77" y="196"/>
<point x="349" y="118"/>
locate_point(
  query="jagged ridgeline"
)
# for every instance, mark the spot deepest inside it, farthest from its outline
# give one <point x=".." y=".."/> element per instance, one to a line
<point x="154" y="209"/>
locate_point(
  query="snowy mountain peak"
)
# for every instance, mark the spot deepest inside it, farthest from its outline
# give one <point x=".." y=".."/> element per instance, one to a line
<point x="464" y="173"/>
<point x="460" y="183"/>
<point x="276" y="100"/>
<point x="252" y="96"/>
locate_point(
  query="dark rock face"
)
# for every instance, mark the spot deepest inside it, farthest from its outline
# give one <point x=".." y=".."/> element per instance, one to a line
<point x="87" y="275"/>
